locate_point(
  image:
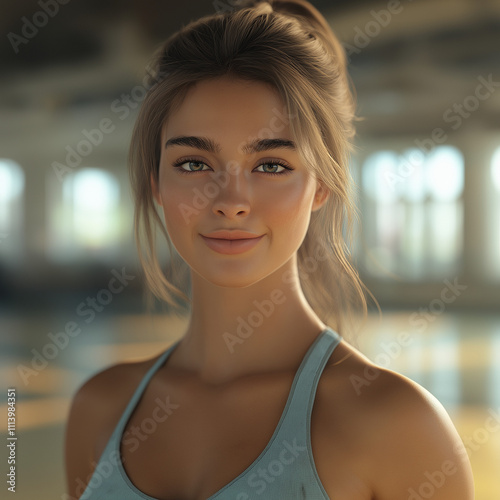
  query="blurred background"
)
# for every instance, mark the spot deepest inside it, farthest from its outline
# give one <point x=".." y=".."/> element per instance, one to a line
<point x="427" y="171"/>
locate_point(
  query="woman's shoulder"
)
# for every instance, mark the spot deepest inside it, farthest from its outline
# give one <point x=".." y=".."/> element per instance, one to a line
<point x="399" y="424"/>
<point x="105" y="394"/>
<point x="113" y="384"/>
<point x="363" y="384"/>
<point x="95" y="409"/>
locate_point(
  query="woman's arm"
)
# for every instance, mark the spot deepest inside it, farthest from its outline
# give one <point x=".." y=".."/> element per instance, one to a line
<point x="80" y="438"/>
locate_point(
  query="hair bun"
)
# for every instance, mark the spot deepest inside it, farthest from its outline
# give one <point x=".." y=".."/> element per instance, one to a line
<point x="264" y="7"/>
<point x="261" y="6"/>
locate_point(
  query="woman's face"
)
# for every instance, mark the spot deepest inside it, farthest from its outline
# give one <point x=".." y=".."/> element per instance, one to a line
<point x="211" y="179"/>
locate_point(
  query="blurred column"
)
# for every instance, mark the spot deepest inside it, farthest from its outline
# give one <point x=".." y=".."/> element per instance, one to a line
<point x="477" y="147"/>
<point x="35" y="203"/>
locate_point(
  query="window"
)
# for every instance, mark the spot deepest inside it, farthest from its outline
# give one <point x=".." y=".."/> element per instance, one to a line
<point x="11" y="210"/>
<point x="493" y="259"/>
<point x="412" y="212"/>
<point x="445" y="183"/>
<point x="495" y="170"/>
<point x="86" y="217"/>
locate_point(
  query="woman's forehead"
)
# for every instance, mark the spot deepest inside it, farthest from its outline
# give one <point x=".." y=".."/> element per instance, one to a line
<point x="213" y="94"/>
<point x="222" y="106"/>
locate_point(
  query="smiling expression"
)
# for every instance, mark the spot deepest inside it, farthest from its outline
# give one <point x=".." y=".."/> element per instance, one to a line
<point x="228" y="162"/>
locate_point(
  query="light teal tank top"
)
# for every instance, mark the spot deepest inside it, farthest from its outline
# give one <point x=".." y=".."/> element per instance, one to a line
<point x="284" y="470"/>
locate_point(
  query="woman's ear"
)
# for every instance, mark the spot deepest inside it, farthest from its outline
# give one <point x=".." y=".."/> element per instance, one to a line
<point x="320" y="197"/>
<point x="154" y="190"/>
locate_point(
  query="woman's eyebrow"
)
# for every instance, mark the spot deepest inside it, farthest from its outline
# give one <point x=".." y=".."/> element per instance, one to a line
<point x="206" y="144"/>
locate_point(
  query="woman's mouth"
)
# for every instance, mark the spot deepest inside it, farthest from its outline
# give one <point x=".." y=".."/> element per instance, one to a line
<point x="231" y="246"/>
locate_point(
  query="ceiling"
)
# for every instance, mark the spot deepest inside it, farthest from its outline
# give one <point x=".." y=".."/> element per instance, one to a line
<point x="427" y="58"/>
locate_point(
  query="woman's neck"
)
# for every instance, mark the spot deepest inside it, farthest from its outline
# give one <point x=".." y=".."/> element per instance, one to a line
<point x="235" y="332"/>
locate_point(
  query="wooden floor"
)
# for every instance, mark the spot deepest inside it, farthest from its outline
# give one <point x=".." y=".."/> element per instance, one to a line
<point x="456" y="357"/>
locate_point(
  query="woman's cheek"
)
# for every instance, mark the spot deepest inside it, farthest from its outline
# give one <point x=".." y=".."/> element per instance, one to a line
<point x="292" y="204"/>
<point x="178" y="205"/>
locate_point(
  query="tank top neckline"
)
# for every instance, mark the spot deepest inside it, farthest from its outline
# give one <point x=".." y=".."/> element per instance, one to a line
<point x="159" y="363"/>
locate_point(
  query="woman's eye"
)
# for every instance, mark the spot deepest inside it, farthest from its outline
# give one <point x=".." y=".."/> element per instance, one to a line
<point x="270" y="168"/>
<point x="193" y="166"/>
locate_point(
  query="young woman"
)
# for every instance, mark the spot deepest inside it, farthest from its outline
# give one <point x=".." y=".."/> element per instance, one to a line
<point x="242" y="143"/>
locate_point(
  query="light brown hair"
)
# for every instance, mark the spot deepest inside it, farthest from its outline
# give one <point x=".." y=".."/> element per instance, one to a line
<point x="289" y="45"/>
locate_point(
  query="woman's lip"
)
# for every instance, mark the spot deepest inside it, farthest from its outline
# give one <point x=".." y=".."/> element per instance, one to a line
<point x="227" y="246"/>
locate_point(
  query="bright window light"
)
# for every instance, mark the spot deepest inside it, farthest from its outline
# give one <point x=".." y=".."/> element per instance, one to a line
<point x="381" y="180"/>
<point x="11" y="189"/>
<point x="495" y="169"/>
<point x="11" y="180"/>
<point x="445" y="173"/>
<point x="412" y="172"/>
<point x="412" y="211"/>
<point x="93" y="195"/>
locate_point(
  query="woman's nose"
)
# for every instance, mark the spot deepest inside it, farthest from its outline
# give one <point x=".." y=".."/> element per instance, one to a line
<point x="233" y="196"/>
